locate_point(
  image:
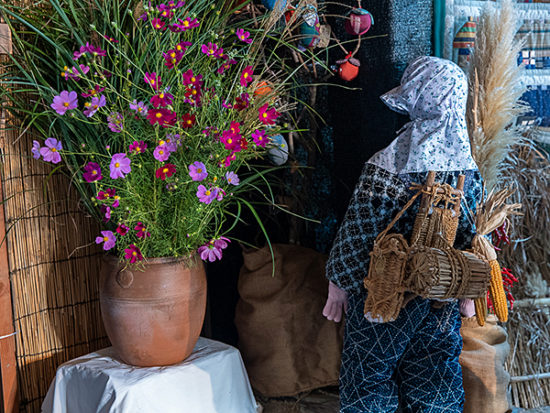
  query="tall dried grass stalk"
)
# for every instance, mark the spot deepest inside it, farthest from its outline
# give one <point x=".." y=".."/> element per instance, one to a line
<point x="495" y="89"/>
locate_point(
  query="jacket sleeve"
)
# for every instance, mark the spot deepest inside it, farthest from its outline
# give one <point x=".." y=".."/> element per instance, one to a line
<point x="371" y="208"/>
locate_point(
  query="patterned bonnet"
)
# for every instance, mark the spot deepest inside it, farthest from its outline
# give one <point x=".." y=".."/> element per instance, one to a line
<point x="433" y="92"/>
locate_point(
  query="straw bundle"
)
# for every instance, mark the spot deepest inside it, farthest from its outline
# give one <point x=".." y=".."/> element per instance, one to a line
<point x="495" y="87"/>
<point x="54" y="287"/>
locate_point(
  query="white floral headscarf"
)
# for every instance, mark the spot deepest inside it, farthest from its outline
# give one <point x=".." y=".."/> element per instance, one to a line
<point x="433" y="92"/>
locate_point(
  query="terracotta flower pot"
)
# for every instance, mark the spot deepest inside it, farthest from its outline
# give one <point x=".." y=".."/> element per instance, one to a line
<point x="153" y="317"/>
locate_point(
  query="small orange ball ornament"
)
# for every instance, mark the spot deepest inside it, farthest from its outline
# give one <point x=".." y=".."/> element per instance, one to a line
<point x="263" y="89"/>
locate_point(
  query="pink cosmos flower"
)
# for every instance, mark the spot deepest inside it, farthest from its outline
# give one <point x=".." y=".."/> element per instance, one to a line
<point x="228" y="159"/>
<point x="221" y="193"/>
<point x="165" y="171"/>
<point x="120" y="166"/>
<point x="65" y="101"/>
<point x="50" y="153"/>
<point x="35" y="150"/>
<point x="161" y="153"/>
<point x="260" y="138"/>
<point x="141" y="231"/>
<point x="88" y="48"/>
<point x="107" y="238"/>
<point x="246" y="76"/>
<point x="137" y="147"/>
<point x="158" y="24"/>
<point x="152" y="80"/>
<point x="188" y="120"/>
<point x="162" y="99"/>
<point x="232" y="178"/>
<point x="212" y="250"/>
<point x="268" y="116"/>
<point x="242" y="102"/>
<point x="243" y="36"/>
<point x="226" y="65"/>
<point x="92" y="172"/>
<point x="190" y="79"/>
<point x="122" y="229"/>
<point x="172" y="57"/>
<point x="133" y="254"/>
<point x="206" y="195"/>
<point x="93" y="106"/>
<point x="73" y="73"/>
<point x="114" y="122"/>
<point x="140" y="107"/>
<point x="197" y="171"/>
<point x="92" y="92"/>
<point x="212" y="50"/>
<point x="164" y="117"/>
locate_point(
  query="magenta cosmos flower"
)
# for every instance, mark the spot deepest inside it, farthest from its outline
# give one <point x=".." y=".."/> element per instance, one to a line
<point x="133" y="254"/>
<point x="122" y="229"/>
<point x="242" y="102"/>
<point x="197" y="171"/>
<point x="107" y="238"/>
<point x="268" y="116"/>
<point x="246" y="76"/>
<point x="206" y="195"/>
<point x="172" y="57"/>
<point x="260" y="138"/>
<point x="165" y="171"/>
<point x="226" y="65"/>
<point x="93" y="106"/>
<point x="74" y="73"/>
<point x="92" y="92"/>
<point x="184" y="25"/>
<point x="243" y="36"/>
<point x="190" y="79"/>
<point x="120" y="166"/>
<point x="152" y="80"/>
<point x="158" y="24"/>
<point x="92" y="172"/>
<point x="212" y="250"/>
<point x="65" y="101"/>
<point x="212" y="50"/>
<point x="182" y="46"/>
<point x="188" y="120"/>
<point x="50" y="152"/>
<point x="232" y="178"/>
<point x="141" y="231"/>
<point x="164" y="117"/>
<point x="137" y="147"/>
<point x="162" y="99"/>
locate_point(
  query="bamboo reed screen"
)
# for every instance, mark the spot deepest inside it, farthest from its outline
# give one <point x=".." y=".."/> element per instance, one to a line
<point x="54" y="283"/>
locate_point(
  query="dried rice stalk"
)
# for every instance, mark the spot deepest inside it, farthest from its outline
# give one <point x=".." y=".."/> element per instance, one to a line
<point x="495" y="87"/>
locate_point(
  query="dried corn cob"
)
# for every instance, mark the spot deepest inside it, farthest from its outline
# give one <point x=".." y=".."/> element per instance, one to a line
<point x="498" y="296"/>
<point x="481" y="310"/>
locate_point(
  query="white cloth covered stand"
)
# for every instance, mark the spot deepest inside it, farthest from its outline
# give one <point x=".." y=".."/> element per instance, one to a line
<point x="211" y="380"/>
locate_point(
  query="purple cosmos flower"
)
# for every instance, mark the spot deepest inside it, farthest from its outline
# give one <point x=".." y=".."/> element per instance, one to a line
<point x="122" y="229"/>
<point x="50" y="153"/>
<point x="268" y="116"/>
<point x="162" y="99"/>
<point x="212" y="50"/>
<point x="141" y="231"/>
<point x="115" y="122"/>
<point x="92" y="172"/>
<point x="106" y="211"/>
<point x="206" y="195"/>
<point x="73" y="72"/>
<point x="212" y="250"/>
<point x="152" y="80"/>
<point x="246" y="76"/>
<point x="108" y="239"/>
<point x="243" y="36"/>
<point x="260" y="138"/>
<point x="226" y="65"/>
<point x="93" y="106"/>
<point x="232" y="178"/>
<point x="173" y="141"/>
<point x="120" y="166"/>
<point x="137" y="147"/>
<point x="197" y="171"/>
<point x="133" y="254"/>
<point x="161" y="153"/>
<point x="143" y="17"/>
<point x="65" y="101"/>
<point x="35" y="150"/>
<point x="140" y="107"/>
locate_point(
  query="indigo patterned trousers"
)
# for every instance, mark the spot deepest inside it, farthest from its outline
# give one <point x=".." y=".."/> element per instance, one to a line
<point x="408" y="365"/>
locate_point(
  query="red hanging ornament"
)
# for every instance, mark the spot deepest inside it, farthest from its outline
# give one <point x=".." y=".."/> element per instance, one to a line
<point x="348" y="68"/>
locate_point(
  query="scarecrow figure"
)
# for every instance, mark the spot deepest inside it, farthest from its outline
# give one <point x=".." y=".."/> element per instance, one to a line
<point x="411" y="363"/>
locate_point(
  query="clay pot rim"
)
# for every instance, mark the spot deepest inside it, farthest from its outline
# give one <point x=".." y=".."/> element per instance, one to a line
<point x="191" y="259"/>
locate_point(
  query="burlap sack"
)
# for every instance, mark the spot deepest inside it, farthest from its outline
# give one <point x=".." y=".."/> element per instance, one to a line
<point x="287" y="345"/>
<point x="483" y="355"/>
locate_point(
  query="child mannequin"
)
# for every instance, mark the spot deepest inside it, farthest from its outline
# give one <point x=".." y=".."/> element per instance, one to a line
<point x="410" y="363"/>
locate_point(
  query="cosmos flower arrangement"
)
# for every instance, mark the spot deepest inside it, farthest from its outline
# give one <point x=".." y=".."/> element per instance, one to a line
<point x="159" y="120"/>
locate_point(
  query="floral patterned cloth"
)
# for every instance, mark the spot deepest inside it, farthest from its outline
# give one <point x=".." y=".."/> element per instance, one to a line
<point x="433" y="92"/>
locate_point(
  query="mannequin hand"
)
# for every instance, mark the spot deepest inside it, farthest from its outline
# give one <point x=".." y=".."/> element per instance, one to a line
<point x="467" y="308"/>
<point x="337" y="299"/>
